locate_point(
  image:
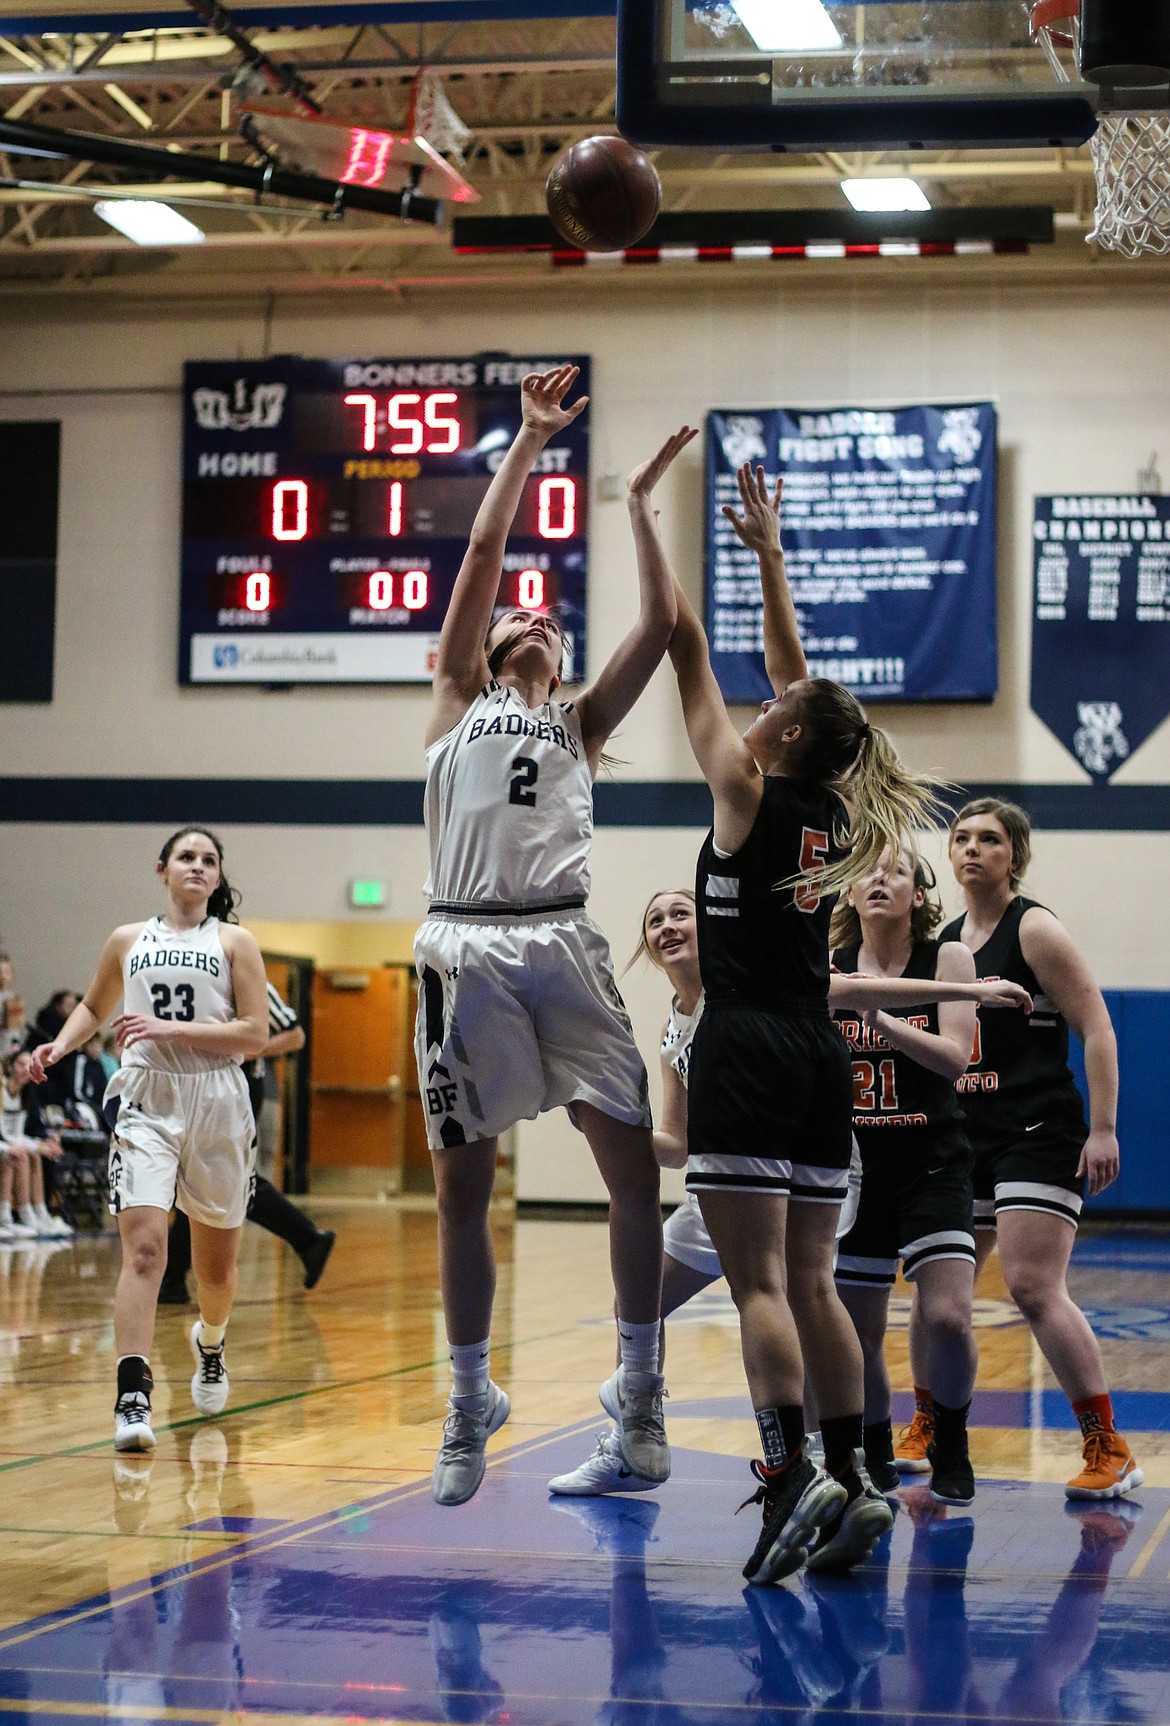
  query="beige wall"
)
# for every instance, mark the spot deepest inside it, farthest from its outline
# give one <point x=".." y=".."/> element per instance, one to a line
<point x="1082" y="379"/>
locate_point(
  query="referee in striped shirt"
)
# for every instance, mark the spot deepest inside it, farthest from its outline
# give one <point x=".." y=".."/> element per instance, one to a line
<point x="269" y="1207"/>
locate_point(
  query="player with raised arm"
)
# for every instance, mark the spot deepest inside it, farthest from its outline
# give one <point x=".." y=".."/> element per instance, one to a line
<point x="194" y="1006"/>
<point x="518" y="1008"/>
<point x="810" y="796"/>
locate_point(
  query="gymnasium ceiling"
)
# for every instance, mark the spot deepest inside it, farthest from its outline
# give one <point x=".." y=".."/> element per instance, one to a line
<point x="526" y="85"/>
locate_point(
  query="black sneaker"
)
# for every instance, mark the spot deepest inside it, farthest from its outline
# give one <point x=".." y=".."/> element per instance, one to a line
<point x="316" y="1256"/>
<point x="952" y="1479"/>
<point x="882" y="1469"/>
<point x="862" y="1518"/>
<point x="796" y="1503"/>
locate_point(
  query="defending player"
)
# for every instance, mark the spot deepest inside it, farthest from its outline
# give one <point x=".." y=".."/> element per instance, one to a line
<point x="916" y="1201"/>
<point x="518" y="1008"/>
<point x="770" y="1082"/>
<point x="1034" y="1154"/>
<point x="194" y="1006"/>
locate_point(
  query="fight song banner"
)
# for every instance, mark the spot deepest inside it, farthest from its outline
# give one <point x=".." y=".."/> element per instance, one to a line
<point x="889" y="539"/>
<point x="1101" y="623"/>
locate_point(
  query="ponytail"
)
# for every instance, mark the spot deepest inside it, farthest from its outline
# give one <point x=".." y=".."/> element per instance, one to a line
<point x="888" y="803"/>
<point x="223" y="901"/>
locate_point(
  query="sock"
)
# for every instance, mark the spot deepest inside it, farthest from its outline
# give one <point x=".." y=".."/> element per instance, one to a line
<point x="134" y="1376"/>
<point x="639" y="1345"/>
<point x="211" y="1335"/>
<point x="843" y="1434"/>
<point x="281" y="1217"/>
<point x="950" y="1422"/>
<point x="923" y="1402"/>
<point x="1095" y="1414"/>
<point x="27" y="1215"/>
<point x="781" y="1434"/>
<point x="470" y="1362"/>
<point x="879" y="1441"/>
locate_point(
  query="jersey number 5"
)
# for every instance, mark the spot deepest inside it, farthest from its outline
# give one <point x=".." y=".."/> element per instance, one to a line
<point x="184" y="996"/>
<point x="814" y="848"/>
<point x="524" y="771"/>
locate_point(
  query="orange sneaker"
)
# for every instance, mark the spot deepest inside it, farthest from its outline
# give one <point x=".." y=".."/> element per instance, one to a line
<point x="1109" y="1470"/>
<point x="913" y="1440"/>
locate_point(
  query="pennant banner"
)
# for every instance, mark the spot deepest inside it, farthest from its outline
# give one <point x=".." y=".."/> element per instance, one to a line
<point x="1101" y="623"/>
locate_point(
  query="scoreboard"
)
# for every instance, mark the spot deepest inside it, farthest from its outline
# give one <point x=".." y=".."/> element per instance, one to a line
<point x="327" y="506"/>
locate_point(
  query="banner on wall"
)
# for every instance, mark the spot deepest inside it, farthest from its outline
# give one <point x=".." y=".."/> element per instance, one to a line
<point x="889" y="541"/>
<point x="1101" y="623"/>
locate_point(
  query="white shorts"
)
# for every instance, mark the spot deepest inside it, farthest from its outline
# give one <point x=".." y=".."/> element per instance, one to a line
<point x="516" y="1017"/>
<point x="187" y="1139"/>
<point x="686" y="1239"/>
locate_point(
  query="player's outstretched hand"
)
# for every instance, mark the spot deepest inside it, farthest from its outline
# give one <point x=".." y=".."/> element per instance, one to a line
<point x="43" y="1056"/>
<point x="644" y="478"/>
<point x="996" y="992"/>
<point x="759" y="525"/>
<point x="541" y="395"/>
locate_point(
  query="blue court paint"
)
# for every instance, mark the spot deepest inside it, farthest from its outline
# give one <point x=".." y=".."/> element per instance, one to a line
<point x="233" y="1525"/>
<point x="578" y="1612"/>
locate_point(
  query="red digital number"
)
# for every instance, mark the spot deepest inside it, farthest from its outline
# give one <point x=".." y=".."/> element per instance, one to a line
<point x="530" y="589"/>
<point x="290" y="509"/>
<point x="258" y="590"/>
<point x="394" y="513"/>
<point x="380" y="590"/>
<point x="427" y="427"/>
<point x="556" y="508"/>
<point x="414" y="589"/>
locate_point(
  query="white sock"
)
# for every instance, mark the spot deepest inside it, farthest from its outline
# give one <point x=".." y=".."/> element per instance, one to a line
<point x="42" y="1211"/>
<point x="28" y="1216"/>
<point x="470" y="1362"/>
<point x="639" y="1346"/>
<point x="211" y="1335"/>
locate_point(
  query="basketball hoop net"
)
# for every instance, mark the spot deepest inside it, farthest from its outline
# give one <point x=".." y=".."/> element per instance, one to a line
<point x="431" y="116"/>
<point x="1130" y="148"/>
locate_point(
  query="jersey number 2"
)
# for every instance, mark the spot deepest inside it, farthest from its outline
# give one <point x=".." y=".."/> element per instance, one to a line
<point x="524" y="771"/>
<point x="184" y="996"/>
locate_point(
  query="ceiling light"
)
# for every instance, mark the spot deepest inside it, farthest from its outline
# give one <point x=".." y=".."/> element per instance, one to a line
<point x="148" y="223"/>
<point x="787" y="26"/>
<point x="893" y="194"/>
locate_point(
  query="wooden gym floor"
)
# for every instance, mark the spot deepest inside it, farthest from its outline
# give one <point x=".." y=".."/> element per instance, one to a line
<point x="286" y="1562"/>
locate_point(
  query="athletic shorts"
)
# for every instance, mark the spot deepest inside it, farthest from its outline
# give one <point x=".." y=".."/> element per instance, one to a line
<point x="518" y="1017"/>
<point x="686" y="1239"/>
<point x="185" y="1139"/>
<point x="769" y="1109"/>
<point x="1036" y="1173"/>
<point x="915" y="1207"/>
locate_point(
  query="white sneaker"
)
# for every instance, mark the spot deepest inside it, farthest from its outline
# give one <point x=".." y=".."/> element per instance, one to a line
<point x="132" y="1428"/>
<point x="55" y="1227"/>
<point x="636" y="1410"/>
<point x="605" y="1471"/>
<point x="209" y="1386"/>
<point x="460" y="1463"/>
<point x="38" y="1227"/>
<point x="18" y="1231"/>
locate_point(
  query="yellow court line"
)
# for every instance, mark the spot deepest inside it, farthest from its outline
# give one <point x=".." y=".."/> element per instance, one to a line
<point x="1147" y="1552"/>
<point x="201" y="1716"/>
<point x="326" y="1519"/>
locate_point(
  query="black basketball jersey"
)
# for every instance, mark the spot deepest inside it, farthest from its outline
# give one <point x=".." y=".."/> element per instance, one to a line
<point x="760" y="947"/>
<point x="893" y="1094"/>
<point x="1019" y="1081"/>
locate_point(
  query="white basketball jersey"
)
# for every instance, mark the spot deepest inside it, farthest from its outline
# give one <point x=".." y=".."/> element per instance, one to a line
<point x="185" y="977"/>
<point x="509" y="805"/>
<point x="678" y="1035"/>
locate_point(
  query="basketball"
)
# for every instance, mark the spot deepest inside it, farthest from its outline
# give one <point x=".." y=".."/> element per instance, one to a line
<point x="603" y="194"/>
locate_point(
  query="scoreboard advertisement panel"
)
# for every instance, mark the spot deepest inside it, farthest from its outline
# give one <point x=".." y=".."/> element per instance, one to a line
<point x="327" y="506"/>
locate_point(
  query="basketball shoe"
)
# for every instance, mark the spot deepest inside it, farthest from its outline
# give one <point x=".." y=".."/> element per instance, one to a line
<point x="910" y="1451"/>
<point x="132" y="1428"/>
<point x="209" y="1383"/>
<point x="1109" y="1470"/>
<point x="636" y="1410"/>
<point x="862" y="1517"/>
<point x="605" y="1471"/>
<point x="461" y="1461"/>
<point x="797" y="1502"/>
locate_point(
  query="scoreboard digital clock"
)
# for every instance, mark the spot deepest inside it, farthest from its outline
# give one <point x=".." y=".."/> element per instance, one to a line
<point x="327" y="506"/>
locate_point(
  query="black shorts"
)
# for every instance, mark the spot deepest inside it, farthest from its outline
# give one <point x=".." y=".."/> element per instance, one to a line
<point x="916" y="1205"/>
<point x="1036" y="1172"/>
<point x="770" y="1105"/>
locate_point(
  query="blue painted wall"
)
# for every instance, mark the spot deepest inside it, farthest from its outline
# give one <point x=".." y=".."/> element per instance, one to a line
<point x="1141" y="1018"/>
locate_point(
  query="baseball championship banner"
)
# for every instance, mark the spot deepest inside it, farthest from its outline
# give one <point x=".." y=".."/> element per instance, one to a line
<point x="889" y="539"/>
<point x="1101" y="623"/>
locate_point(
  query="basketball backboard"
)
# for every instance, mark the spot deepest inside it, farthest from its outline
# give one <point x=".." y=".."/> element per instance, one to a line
<point x="818" y="74"/>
